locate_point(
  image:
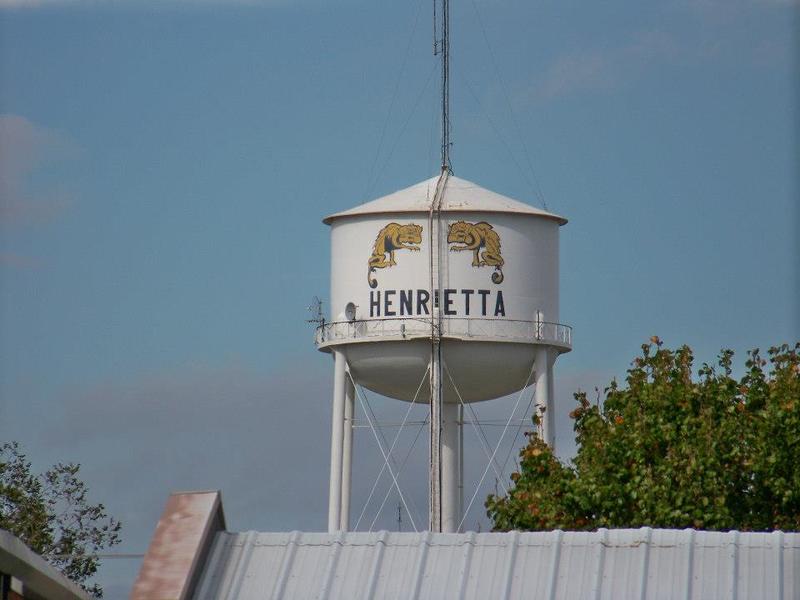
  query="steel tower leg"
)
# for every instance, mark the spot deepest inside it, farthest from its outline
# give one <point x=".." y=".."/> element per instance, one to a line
<point x="347" y="454"/>
<point x="435" y="475"/>
<point x="337" y="441"/>
<point x="550" y="415"/>
<point x="451" y="471"/>
<point x="460" y="461"/>
<point x="543" y="372"/>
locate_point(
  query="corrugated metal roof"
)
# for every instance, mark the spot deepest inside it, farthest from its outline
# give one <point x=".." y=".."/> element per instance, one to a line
<point x="615" y="564"/>
<point x="460" y="196"/>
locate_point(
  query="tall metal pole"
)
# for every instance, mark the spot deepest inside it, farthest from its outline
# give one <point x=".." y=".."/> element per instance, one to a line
<point x="445" y="84"/>
<point x="347" y="454"/>
<point x="436" y="399"/>
<point x="443" y="479"/>
<point x="451" y="447"/>
<point x="550" y="414"/>
<point x="460" y="462"/>
<point x="445" y="52"/>
<point x="543" y="373"/>
<point x="337" y="442"/>
<point x="435" y="494"/>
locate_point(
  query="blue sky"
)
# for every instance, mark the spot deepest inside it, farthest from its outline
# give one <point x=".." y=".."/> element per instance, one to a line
<point x="165" y="166"/>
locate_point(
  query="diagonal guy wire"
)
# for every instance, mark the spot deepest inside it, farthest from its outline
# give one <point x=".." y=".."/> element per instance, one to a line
<point x="386" y="457"/>
<point x="514" y="441"/>
<point x="383" y="467"/>
<point x="500" y="441"/>
<point x="475" y="424"/>
<point x="399" y="471"/>
<point x="379" y="429"/>
<point x="395" y="94"/>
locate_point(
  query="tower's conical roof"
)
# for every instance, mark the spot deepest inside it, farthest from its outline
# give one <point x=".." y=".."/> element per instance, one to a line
<point x="460" y="196"/>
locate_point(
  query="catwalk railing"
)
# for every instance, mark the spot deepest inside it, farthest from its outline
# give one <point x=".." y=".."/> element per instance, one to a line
<point x="504" y="330"/>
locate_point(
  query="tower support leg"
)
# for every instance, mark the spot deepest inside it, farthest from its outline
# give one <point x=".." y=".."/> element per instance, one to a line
<point x="550" y="415"/>
<point x="460" y="461"/>
<point x="451" y="467"/>
<point x="435" y="470"/>
<point x="337" y="441"/>
<point x="543" y="372"/>
<point x="347" y="454"/>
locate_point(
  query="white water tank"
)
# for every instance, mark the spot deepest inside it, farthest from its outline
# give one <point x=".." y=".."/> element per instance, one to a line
<point x="499" y="291"/>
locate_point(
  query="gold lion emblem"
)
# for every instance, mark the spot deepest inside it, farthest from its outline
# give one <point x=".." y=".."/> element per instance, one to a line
<point x="391" y="238"/>
<point x="483" y="241"/>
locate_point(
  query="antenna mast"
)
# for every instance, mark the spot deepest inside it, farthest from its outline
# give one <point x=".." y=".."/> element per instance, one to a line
<point x="443" y="48"/>
<point x="444" y="502"/>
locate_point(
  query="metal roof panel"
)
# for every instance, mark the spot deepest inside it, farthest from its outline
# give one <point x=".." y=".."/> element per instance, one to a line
<point x="623" y="563"/>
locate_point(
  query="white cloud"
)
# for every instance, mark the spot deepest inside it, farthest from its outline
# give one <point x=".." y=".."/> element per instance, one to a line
<point x="18" y="261"/>
<point x="607" y="68"/>
<point x="579" y="71"/>
<point x="260" y="437"/>
<point x="24" y="148"/>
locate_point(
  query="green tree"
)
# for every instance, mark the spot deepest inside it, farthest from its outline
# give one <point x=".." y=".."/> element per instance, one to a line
<point x="50" y="512"/>
<point x="669" y="450"/>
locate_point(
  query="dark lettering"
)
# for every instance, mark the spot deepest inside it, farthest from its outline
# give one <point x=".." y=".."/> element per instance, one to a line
<point x="375" y="304"/>
<point x="483" y="294"/>
<point x="499" y="307"/>
<point x="448" y="302"/>
<point x="406" y="300"/>
<point x="388" y="303"/>
<point x="422" y="301"/>
<point x="467" y="294"/>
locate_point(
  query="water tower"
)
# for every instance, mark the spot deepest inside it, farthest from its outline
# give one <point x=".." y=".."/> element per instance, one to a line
<point x="443" y="293"/>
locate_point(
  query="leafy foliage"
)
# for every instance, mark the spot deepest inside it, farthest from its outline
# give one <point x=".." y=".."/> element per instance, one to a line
<point x="668" y="451"/>
<point x="51" y="514"/>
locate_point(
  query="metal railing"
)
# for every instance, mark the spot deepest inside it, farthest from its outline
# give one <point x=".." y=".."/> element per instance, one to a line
<point x="507" y="330"/>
